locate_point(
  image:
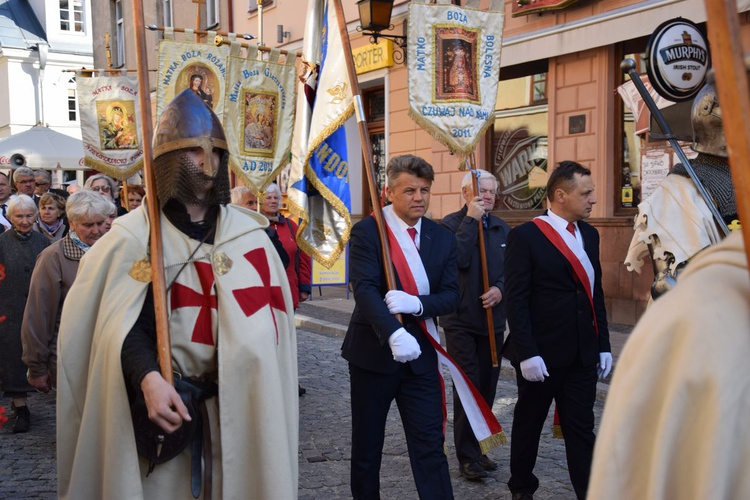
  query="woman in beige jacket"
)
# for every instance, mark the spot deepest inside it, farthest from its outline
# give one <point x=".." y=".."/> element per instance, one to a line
<point x="53" y="276"/>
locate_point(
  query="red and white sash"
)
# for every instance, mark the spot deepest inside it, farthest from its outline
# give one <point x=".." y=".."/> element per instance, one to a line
<point x="414" y="280"/>
<point x="582" y="266"/>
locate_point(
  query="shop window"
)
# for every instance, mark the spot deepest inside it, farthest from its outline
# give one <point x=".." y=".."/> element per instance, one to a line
<point x="374" y="104"/>
<point x="641" y="160"/>
<point x="629" y="148"/>
<point x="519" y="143"/>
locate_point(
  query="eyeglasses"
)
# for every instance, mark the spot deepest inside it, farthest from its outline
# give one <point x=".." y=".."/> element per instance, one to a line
<point x="103" y="189"/>
<point x="29" y="181"/>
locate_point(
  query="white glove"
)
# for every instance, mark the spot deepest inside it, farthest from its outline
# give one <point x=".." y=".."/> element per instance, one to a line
<point x="404" y="346"/>
<point x="605" y="364"/>
<point x="534" y="369"/>
<point x="401" y="302"/>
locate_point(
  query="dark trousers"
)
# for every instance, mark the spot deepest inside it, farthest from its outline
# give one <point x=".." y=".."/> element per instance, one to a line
<point x="472" y="353"/>
<point x="420" y="403"/>
<point x="574" y="391"/>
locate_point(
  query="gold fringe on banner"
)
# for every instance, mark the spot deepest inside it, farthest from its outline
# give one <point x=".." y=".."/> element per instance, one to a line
<point x="493" y="441"/>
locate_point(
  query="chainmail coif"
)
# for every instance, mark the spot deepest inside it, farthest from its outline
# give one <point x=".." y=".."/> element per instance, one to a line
<point x="180" y="178"/>
<point x="714" y="174"/>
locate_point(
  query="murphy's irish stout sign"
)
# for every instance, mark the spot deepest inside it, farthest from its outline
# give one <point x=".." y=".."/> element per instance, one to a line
<point x="678" y="59"/>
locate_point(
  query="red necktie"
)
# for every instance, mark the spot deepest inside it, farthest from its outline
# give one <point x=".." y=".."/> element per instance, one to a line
<point x="571" y="229"/>
<point x="413" y="233"/>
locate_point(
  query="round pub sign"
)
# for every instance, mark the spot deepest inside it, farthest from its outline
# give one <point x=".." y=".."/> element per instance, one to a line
<point x="678" y="59"/>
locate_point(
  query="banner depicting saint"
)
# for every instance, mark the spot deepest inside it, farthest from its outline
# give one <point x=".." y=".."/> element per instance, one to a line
<point x="259" y="114"/>
<point x="453" y="60"/>
<point x="110" y="124"/>
<point x="199" y="67"/>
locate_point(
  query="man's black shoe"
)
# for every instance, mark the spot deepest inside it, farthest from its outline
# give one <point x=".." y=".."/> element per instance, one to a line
<point x="472" y="471"/>
<point x="487" y="463"/>
<point x="523" y="496"/>
<point x="23" y="419"/>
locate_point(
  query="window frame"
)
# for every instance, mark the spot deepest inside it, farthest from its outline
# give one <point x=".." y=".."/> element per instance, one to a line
<point x="119" y="22"/>
<point x="525" y="70"/>
<point x="167" y="13"/>
<point x="72" y="11"/>
<point x="213" y="13"/>
<point x="634" y="46"/>
<point x="72" y="100"/>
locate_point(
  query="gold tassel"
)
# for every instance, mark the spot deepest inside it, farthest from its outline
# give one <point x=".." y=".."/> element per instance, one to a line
<point x="557" y="431"/>
<point x="111" y="171"/>
<point x="493" y="441"/>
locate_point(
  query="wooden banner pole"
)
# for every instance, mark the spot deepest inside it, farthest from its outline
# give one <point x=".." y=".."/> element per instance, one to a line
<point x="158" y="281"/>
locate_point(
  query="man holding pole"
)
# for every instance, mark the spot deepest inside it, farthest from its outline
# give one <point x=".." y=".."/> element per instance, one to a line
<point x="466" y="330"/>
<point x="232" y="337"/>
<point x="391" y="359"/>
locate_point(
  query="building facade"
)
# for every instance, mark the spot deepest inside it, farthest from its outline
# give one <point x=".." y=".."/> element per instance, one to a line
<point x="41" y="44"/>
<point x="556" y="101"/>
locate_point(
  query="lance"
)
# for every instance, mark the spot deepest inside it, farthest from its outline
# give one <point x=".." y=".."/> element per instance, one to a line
<point x="377" y="211"/>
<point x="628" y="67"/>
<point x="483" y="259"/>
<point x="732" y="86"/>
<point x="158" y="281"/>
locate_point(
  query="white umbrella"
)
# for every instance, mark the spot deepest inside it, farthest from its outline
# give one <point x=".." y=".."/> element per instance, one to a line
<point x="41" y="147"/>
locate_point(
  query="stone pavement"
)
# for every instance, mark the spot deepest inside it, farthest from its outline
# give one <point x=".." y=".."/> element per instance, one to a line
<point x="324" y="442"/>
<point x="27" y="461"/>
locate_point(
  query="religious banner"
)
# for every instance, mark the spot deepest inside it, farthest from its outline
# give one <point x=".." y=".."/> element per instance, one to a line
<point x="110" y="124"/>
<point x="198" y="66"/>
<point x="259" y="115"/>
<point x="454" y="63"/>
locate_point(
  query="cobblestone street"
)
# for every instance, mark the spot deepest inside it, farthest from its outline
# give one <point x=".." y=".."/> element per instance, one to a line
<point x="27" y="461"/>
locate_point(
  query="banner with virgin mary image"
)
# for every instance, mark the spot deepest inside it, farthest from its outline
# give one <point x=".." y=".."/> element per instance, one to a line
<point x="259" y="115"/>
<point x="110" y="124"/>
<point x="201" y="67"/>
<point x="453" y="60"/>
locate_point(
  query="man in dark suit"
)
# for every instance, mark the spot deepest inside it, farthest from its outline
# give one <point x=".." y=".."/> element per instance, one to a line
<point x="43" y="183"/>
<point x="558" y="342"/>
<point x="387" y="359"/>
<point x="466" y="330"/>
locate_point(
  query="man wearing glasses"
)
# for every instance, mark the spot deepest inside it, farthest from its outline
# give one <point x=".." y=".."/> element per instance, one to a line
<point x="23" y="179"/>
<point x="42" y="183"/>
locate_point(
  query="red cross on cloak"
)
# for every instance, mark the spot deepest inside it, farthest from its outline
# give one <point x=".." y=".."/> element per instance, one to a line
<point x="253" y="298"/>
<point x="183" y="296"/>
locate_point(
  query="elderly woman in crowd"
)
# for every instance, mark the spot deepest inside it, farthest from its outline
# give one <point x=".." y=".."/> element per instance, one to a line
<point x="243" y="197"/>
<point x="53" y="275"/>
<point x="298" y="272"/>
<point x="105" y="186"/>
<point x="51" y="221"/>
<point x="19" y="248"/>
<point x="299" y="269"/>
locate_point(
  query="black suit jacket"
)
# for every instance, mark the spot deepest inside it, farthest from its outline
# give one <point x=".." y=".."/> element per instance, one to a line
<point x="549" y="313"/>
<point x="470" y="314"/>
<point x="366" y="342"/>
